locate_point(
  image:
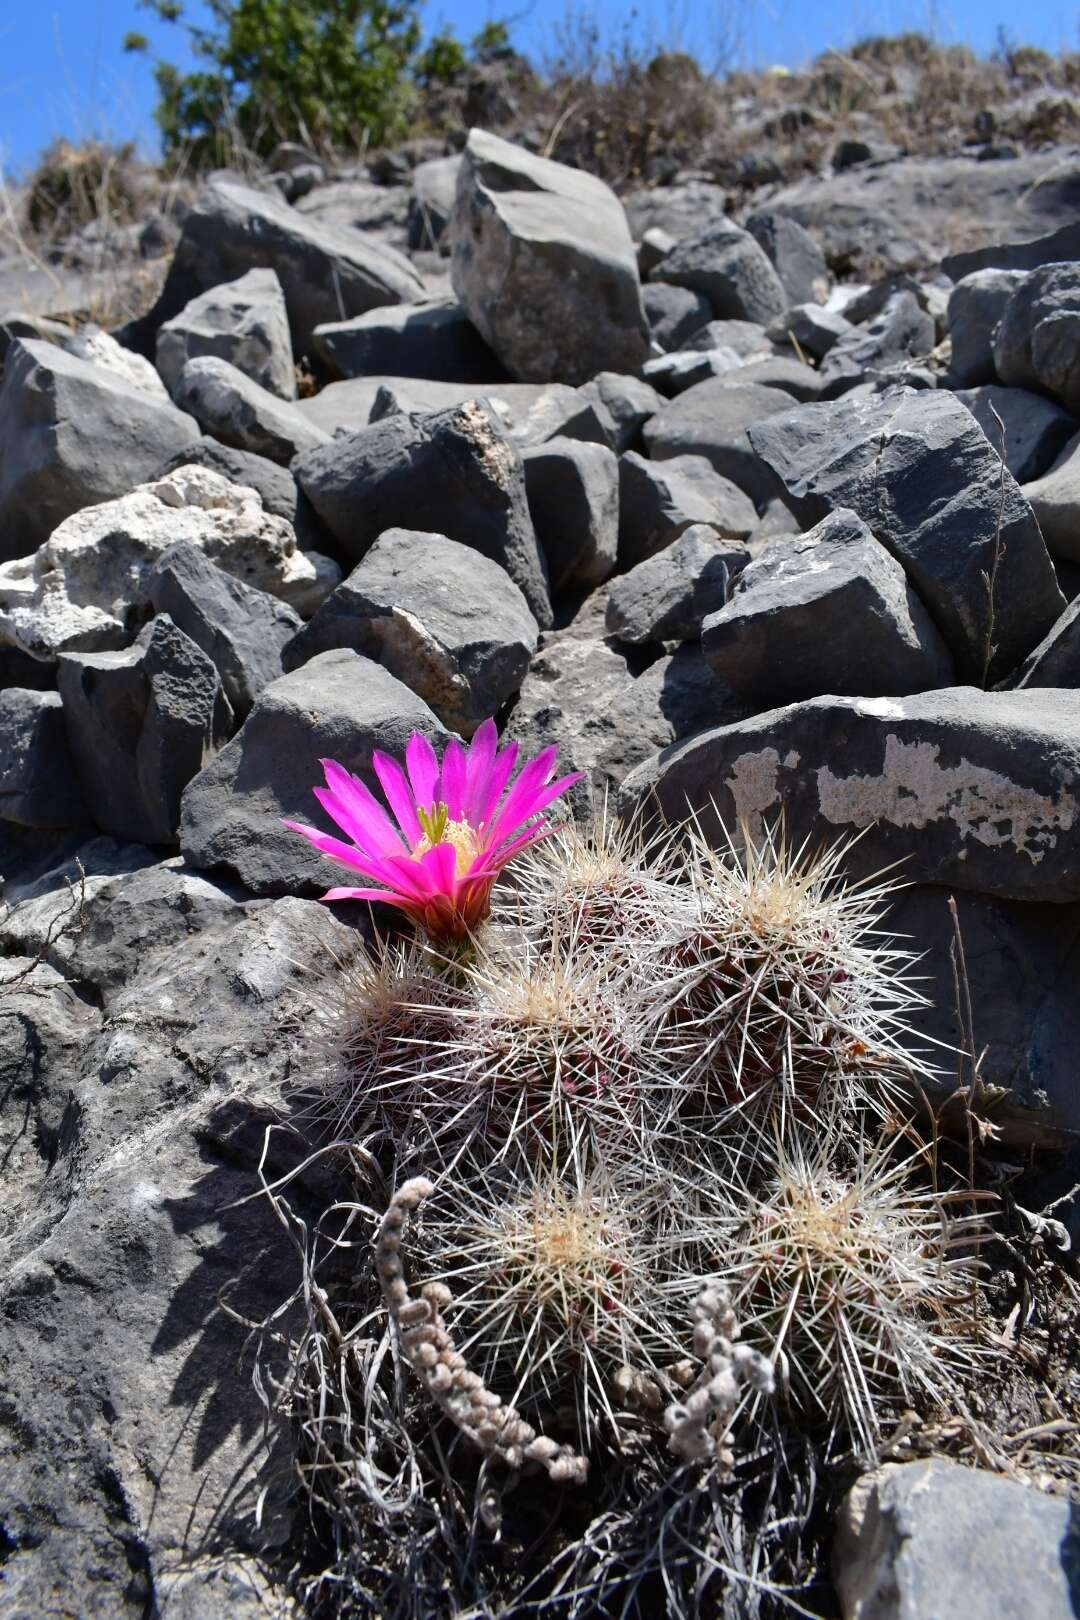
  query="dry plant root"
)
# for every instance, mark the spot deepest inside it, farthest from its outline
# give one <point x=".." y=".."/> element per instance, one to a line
<point x="480" y="1414"/>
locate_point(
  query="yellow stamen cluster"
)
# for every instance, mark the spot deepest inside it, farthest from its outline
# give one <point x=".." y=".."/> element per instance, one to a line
<point x="439" y="829"/>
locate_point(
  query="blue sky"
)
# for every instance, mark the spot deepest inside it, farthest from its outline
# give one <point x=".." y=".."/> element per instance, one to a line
<point x="62" y="70"/>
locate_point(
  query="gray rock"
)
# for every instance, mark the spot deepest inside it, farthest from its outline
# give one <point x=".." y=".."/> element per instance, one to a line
<point x="976" y="305"/>
<point x="544" y="265"/>
<point x="274" y="485"/>
<point x="828" y="611"/>
<point x="1036" y="429"/>
<point x="966" y="788"/>
<point x="1055" y="500"/>
<point x="746" y="339"/>
<point x="666" y="597"/>
<point x="241" y="630"/>
<point x="573" y="491"/>
<point x="431" y="206"/>
<point x="659" y="500"/>
<point x="140" y="724"/>
<point x="243" y="322"/>
<point x="339" y="706"/>
<point x="348" y="405"/>
<point x="784" y="372"/>
<point x="1022" y="959"/>
<point x="725" y="263"/>
<point x="99" y="348"/>
<point x="628" y="401"/>
<point x="16" y="323"/>
<point x="920" y="472"/>
<point x="434" y="340"/>
<point x="1036" y="343"/>
<point x="38" y="783"/>
<point x="561" y="412"/>
<point x="327" y="272"/>
<point x="902" y="331"/>
<point x="1056" y="660"/>
<point x="794" y="254"/>
<point x="776" y="519"/>
<point x="448" y="623"/>
<point x="673" y="374"/>
<point x="232" y="408"/>
<point x="673" y="313"/>
<point x="1008" y="254"/>
<point x="454" y="469"/>
<point x="810" y="329"/>
<point x="711" y="420"/>
<point x="72" y="435"/>
<point x="139" y="1434"/>
<point x="935" y="1538"/>
<point x="655" y="245"/>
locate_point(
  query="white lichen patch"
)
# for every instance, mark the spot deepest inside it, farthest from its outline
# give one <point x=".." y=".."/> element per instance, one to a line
<point x="914" y="789"/>
<point x="754" y="788"/>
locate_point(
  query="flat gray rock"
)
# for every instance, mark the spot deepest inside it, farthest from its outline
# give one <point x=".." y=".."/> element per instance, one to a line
<point x="674" y="314"/>
<point x="245" y="322"/>
<point x="544" y="265"/>
<point x="573" y="491"/>
<point x="445" y="470"/>
<point x="73" y="434"/>
<point x="339" y="706"/>
<point x="976" y="305"/>
<point x="921" y="473"/>
<point x="973" y="789"/>
<point x="810" y="329"/>
<point x="1037" y="429"/>
<point x="711" y="420"/>
<point x="628" y="403"/>
<point x="658" y="500"/>
<point x="667" y="597"/>
<point x="931" y="1538"/>
<point x="241" y="630"/>
<point x="140" y="724"/>
<point x="447" y="622"/>
<point x="328" y="272"/>
<point x="433" y="340"/>
<point x="39" y="786"/>
<point x="826" y="611"/>
<point x="230" y="407"/>
<point x="725" y="264"/>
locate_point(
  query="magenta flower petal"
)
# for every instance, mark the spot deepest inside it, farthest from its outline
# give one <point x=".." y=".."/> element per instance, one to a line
<point x="385" y="895"/>
<point x="395" y="785"/>
<point x="357" y="811"/>
<point x="326" y="844"/>
<point x="423" y="769"/>
<point x="501" y="770"/>
<point x="480" y="758"/>
<point x="452" y="780"/>
<point x="518" y="804"/>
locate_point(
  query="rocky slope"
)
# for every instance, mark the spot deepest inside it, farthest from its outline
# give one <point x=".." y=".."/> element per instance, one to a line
<point x="759" y="506"/>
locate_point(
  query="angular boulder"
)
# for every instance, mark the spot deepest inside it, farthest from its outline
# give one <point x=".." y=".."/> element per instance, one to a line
<point x="711" y="420"/>
<point x="140" y="724"/>
<point x="436" y="341"/>
<point x="544" y="266"/>
<point x="900" y="331"/>
<point x="452" y="471"/>
<point x="447" y="622"/>
<point x="339" y="706"/>
<point x="73" y="434"/>
<point x="1055" y="500"/>
<point x="82" y="588"/>
<point x="667" y="597"/>
<point x="232" y="408"/>
<point x="1056" y="660"/>
<point x="241" y="630"/>
<point x="658" y="500"/>
<point x="978" y="790"/>
<point x="976" y="305"/>
<point x="327" y="272"/>
<point x="795" y="255"/>
<point x="244" y="322"/>
<point x="1037" y="341"/>
<point x="39" y="786"/>
<point x="1036" y="429"/>
<point x="573" y="491"/>
<point x="727" y="266"/>
<point x="828" y="611"/>
<point x="922" y="475"/>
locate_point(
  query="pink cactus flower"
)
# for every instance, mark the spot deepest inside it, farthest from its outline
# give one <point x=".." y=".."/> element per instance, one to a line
<point x="454" y="830"/>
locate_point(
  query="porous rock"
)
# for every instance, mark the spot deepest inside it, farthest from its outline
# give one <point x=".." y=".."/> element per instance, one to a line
<point x="38" y="783"/>
<point x="244" y="322"/>
<point x="974" y="789"/>
<point x="447" y="622"/>
<point x="573" y="491"/>
<point x="140" y="724"/>
<point x="231" y="407"/>
<point x="453" y="470"/>
<point x="71" y="435"/>
<point x="81" y="588"/>
<point x="658" y="500"/>
<point x="544" y="265"/>
<point x="338" y="706"/>
<point x="921" y="473"/>
<point x="827" y="611"/>
<point x="241" y="630"/>
<point x="667" y="597"/>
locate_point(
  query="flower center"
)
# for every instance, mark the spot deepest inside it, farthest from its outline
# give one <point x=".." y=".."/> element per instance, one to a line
<point x="439" y="829"/>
